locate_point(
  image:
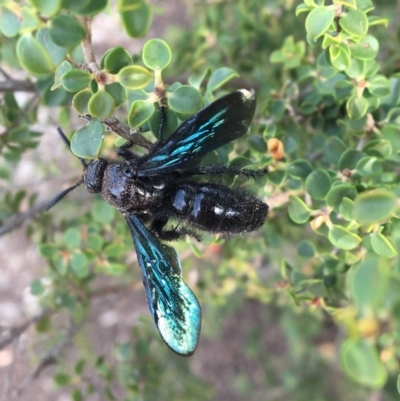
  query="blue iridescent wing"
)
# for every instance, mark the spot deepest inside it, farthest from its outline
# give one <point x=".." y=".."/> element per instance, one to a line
<point x="223" y="121"/>
<point x="175" y="309"/>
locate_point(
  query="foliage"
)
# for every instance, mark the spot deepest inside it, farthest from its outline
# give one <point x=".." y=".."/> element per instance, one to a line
<point x="327" y="127"/>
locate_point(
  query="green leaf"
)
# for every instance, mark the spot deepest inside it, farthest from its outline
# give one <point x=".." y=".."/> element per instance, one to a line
<point x="350" y="158"/>
<point x="347" y="3"/>
<point x="92" y="7"/>
<point x="46" y="7"/>
<point x="354" y="22"/>
<point x="117" y="92"/>
<point x="360" y="361"/>
<point x="102" y="212"/>
<point x="257" y="144"/>
<point x="37" y="288"/>
<point x="135" y="16"/>
<point x="357" y="107"/>
<point x="337" y="193"/>
<point x="333" y="149"/>
<point x="374" y="206"/>
<point x="220" y="77"/>
<point x="318" y="184"/>
<point x="101" y="105"/>
<point x="9" y="22"/>
<point x="382" y="246"/>
<point x="33" y="56"/>
<point x="115" y="59"/>
<point x="57" y="53"/>
<point x="299" y="212"/>
<point x="81" y="100"/>
<point x="306" y="249"/>
<point x="156" y="54"/>
<point x="75" y="80"/>
<point x="62" y="379"/>
<point x="185" y="100"/>
<point x="319" y="21"/>
<point x="196" y="80"/>
<point x="139" y="113"/>
<point x="66" y="31"/>
<point x="340" y="56"/>
<point x="300" y="168"/>
<point x="169" y="126"/>
<point x="87" y="141"/>
<point x="134" y="77"/>
<point x="72" y="238"/>
<point x="343" y="238"/>
<point x="369" y="166"/>
<point x="379" y="86"/>
<point x="75" y="5"/>
<point x="356" y="69"/>
<point x="366" y="49"/>
<point x="79" y="264"/>
<point x="346" y="209"/>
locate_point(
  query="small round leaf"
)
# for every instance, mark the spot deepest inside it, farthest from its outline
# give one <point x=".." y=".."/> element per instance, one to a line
<point x="369" y="166"/>
<point x="86" y="142"/>
<point x="220" y="77"/>
<point x="366" y="49"/>
<point x="115" y="59"/>
<point x="9" y="22"/>
<point x="156" y="54"/>
<point x="81" y="100"/>
<point x="337" y="193"/>
<point x="33" y="56"/>
<point x="319" y="21"/>
<point x="318" y="184"/>
<point x="357" y="107"/>
<point x="66" y="31"/>
<point x="101" y="105"/>
<point x="361" y="362"/>
<point x="382" y="246"/>
<point x="46" y="7"/>
<point x="135" y="16"/>
<point x="75" y="80"/>
<point x="140" y="112"/>
<point x="185" y="100"/>
<point x="354" y="22"/>
<point x="343" y="238"/>
<point x="374" y="206"/>
<point x="299" y="212"/>
<point x="300" y="168"/>
<point x="134" y="77"/>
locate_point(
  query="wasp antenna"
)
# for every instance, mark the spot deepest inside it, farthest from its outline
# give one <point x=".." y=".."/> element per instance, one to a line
<point x="68" y="143"/>
<point x="61" y="195"/>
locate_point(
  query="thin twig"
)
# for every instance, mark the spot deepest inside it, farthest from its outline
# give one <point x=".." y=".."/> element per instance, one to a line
<point x="87" y="47"/>
<point x="21" y="218"/>
<point x="15" y="332"/>
<point x="49" y="359"/>
<point x="114" y="125"/>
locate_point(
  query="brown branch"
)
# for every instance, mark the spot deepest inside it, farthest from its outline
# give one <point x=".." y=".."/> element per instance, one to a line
<point x="21" y="218"/>
<point x="49" y="359"/>
<point x="12" y="85"/>
<point x="87" y="47"/>
<point x="114" y="125"/>
<point x="15" y="332"/>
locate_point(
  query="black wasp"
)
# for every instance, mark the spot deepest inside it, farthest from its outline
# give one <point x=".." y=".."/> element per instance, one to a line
<point x="158" y="186"/>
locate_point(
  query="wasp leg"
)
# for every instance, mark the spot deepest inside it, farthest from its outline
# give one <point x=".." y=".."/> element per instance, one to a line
<point x="157" y="227"/>
<point x="126" y="153"/>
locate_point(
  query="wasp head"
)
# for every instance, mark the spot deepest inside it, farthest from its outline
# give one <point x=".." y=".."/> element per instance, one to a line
<point x="93" y="175"/>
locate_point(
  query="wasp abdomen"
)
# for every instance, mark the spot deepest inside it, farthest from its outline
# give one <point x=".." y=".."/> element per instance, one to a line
<point x="217" y="208"/>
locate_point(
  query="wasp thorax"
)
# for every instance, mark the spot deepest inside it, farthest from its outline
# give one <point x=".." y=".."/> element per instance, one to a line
<point x="93" y="175"/>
